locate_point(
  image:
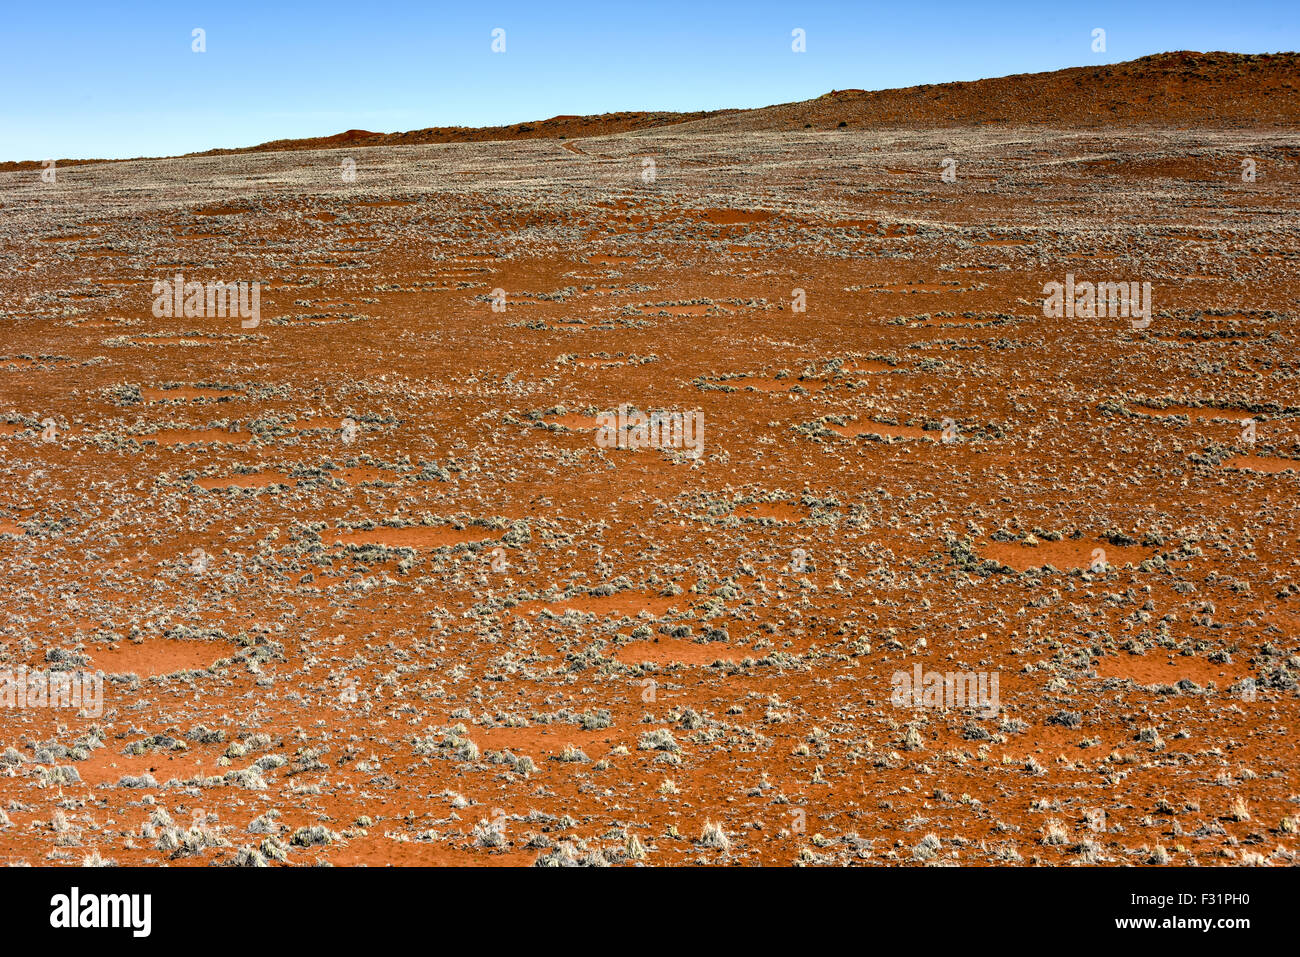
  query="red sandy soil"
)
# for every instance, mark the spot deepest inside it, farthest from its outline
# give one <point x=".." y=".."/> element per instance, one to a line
<point x="367" y="590"/>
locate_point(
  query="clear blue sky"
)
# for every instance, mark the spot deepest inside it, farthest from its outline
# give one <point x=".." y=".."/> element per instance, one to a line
<point x="118" y="79"/>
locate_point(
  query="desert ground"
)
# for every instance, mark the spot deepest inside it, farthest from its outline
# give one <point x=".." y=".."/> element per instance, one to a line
<point x="365" y="588"/>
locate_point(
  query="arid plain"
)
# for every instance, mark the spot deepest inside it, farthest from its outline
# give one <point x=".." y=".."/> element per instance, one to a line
<point x="365" y="588"/>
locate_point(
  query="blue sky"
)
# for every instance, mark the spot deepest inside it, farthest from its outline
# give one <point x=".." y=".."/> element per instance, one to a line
<point x="97" y="79"/>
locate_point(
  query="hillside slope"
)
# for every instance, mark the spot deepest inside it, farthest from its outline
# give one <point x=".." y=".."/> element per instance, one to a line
<point x="1222" y="90"/>
<point x="1167" y="89"/>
